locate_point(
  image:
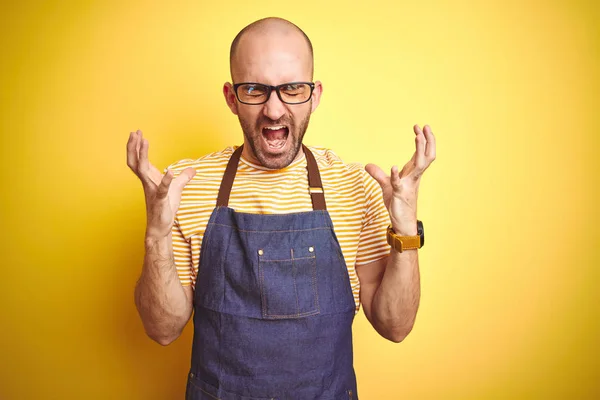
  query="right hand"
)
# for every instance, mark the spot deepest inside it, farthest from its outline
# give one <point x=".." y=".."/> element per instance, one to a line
<point x="162" y="192"/>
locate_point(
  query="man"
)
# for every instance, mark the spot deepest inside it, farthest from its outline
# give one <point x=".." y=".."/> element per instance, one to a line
<point x="275" y="245"/>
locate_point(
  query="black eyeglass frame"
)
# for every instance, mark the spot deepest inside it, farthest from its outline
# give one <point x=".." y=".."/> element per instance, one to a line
<point x="271" y="89"/>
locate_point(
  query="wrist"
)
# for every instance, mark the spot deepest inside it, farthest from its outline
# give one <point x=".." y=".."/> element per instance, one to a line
<point x="405" y="228"/>
<point x="157" y="241"/>
<point x="405" y="240"/>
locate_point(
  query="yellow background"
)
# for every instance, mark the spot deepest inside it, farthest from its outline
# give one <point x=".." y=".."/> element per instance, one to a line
<point x="510" y="304"/>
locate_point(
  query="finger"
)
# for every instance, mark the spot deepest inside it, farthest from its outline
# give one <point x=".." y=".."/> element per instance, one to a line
<point x="163" y="188"/>
<point x="132" y="153"/>
<point x="143" y="168"/>
<point x="377" y="174"/>
<point x="395" y="177"/>
<point x="430" y="149"/>
<point x="143" y="164"/>
<point x="409" y="166"/>
<point x="139" y="136"/>
<point x="420" y="143"/>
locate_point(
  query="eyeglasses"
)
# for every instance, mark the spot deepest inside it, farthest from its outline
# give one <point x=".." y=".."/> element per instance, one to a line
<point x="289" y="93"/>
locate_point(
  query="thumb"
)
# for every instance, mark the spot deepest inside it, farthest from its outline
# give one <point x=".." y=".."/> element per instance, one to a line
<point x="378" y="174"/>
<point x="165" y="183"/>
<point x="184" y="177"/>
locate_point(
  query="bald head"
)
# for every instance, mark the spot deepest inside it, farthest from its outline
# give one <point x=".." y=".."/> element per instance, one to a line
<point x="265" y="35"/>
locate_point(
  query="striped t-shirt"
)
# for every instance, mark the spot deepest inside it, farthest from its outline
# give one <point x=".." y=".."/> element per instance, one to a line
<point x="354" y="202"/>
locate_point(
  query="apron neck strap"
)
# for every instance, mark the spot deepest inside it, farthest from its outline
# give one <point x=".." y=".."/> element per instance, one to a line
<point x="315" y="186"/>
<point x="314" y="180"/>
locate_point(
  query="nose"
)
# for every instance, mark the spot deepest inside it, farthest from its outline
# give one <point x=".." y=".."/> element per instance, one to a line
<point x="274" y="108"/>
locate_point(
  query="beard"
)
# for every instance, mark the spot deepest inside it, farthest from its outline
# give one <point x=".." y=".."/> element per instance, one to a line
<point x="254" y="137"/>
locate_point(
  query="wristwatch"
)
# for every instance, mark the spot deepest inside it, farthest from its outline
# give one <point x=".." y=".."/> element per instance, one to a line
<point x="401" y="243"/>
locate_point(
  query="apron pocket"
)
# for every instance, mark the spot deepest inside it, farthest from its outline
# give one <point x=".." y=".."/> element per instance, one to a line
<point x="197" y="389"/>
<point x="289" y="287"/>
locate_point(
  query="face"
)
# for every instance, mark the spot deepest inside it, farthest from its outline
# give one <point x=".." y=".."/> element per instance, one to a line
<point x="275" y="142"/>
<point x="273" y="131"/>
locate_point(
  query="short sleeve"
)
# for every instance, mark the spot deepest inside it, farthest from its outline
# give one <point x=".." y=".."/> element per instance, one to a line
<point x="372" y="244"/>
<point x="182" y="254"/>
<point x="182" y="248"/>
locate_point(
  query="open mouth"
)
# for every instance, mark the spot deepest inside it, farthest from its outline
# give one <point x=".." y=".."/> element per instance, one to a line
<point x="275" y="136"/>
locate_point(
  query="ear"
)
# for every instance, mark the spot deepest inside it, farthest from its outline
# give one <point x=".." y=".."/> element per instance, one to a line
<point x="230" y="97"/>
<point x="316" y="95"/>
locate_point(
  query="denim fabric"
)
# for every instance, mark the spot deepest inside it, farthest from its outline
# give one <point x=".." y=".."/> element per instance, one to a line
<point x="273" y="310"/>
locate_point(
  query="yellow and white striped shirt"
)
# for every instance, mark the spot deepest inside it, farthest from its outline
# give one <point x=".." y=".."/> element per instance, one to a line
<point x="354" y="202"/>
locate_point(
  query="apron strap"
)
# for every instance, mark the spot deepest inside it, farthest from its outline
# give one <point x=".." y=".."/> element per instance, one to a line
<point x="315" y="186"/>
<point x="228" y="177"/>
<point x="314" y="180"/>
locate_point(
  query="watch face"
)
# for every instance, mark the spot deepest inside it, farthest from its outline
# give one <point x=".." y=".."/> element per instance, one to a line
<point x="421" y="232"/>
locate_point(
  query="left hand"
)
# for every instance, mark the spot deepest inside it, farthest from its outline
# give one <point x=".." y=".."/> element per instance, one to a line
<point x="400" y="191"/>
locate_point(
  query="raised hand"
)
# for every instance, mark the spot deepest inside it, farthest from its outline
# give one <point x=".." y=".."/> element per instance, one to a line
<point x="400" y="190"/>
<point x="162" y="192"/>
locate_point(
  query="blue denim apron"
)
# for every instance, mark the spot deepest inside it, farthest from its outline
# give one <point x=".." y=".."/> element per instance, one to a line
<point x="273" y="305"/>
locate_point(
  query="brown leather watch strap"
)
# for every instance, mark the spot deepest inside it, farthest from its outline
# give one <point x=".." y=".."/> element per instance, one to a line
<point x="401" y="243"/>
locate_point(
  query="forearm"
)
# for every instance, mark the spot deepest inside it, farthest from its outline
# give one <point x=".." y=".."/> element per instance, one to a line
<point x="396" y="300"/>
<point x="161" y="300"/>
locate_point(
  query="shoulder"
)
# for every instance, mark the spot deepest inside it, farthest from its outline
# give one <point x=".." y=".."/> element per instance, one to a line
<point x="327" y="158"/>
<point x="346" y="177"/>
<point x="330" y="163"/>
<point x="215" y="160"/>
